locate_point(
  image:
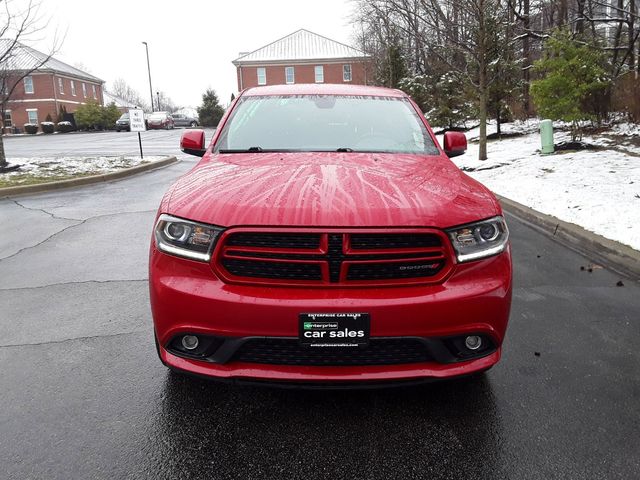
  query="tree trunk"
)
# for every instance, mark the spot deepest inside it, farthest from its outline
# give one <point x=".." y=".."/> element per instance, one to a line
<point x="482" y="80"/>
<point x="482" y="140"/>
<point x="526" y="53"/>
<point x="3" y="158"/>
<point x="580" y="19"/>
<point x="631" y="31"/>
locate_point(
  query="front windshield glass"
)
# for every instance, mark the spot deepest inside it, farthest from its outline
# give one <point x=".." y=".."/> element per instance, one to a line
<point x="325" y="123"/>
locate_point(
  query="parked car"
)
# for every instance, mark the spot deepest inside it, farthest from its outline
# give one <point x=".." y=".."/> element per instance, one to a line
<point x="182" y="120"/>
<point x="123" y="123"/>
<point x="326" y="238"/>
<point x="158" y="120"/>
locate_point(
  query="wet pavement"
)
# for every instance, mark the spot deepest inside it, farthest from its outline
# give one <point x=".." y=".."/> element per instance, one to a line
<point x="83" y="395"/>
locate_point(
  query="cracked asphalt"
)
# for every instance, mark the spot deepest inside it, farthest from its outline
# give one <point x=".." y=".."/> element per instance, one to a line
<point x="82" y="394"/>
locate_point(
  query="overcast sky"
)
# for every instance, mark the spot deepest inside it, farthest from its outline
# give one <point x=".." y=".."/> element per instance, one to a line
<point x="191" y="43"/>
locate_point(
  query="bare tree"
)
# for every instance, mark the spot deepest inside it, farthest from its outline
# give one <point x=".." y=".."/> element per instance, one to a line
<point x="122" y="89"/>
<point x="165" y="103"/>
<point x="18" y="22"/>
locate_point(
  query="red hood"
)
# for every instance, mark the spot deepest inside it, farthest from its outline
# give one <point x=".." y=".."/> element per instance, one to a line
<point x="330" y="189"/>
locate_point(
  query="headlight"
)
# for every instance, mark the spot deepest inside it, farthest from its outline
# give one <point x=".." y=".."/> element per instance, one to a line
<point x="479" y="240"/>
<point x="184" y="238"/>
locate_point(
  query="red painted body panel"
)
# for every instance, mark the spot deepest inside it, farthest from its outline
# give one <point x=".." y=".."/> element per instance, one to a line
<point x="329" y="190"/>
<point x="284" y="373"/>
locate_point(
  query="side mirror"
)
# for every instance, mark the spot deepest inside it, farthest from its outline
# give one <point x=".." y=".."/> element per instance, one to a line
<point x="455" y="143"/>
<point x="192" y="142"/>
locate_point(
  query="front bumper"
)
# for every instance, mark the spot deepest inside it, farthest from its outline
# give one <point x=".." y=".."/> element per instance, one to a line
<point x="186" y="297"/>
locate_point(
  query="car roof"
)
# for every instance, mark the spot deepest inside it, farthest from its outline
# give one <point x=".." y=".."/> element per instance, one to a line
<point x="322" y="89"/>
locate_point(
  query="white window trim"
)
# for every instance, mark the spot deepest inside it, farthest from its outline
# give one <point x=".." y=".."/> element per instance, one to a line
<point x="344" y="79"/>
<point x="84" y="89"/>
<point x="61" y="86"/>
<point x="264" y="70"/>
<point x="93" y="88"/>
<point x="4" y="120"/>
<point x="315" y="73"/>
<point x="73" y="88"/>
<point x="32" y="110"/>
<point x="293" y="75"/>
<point x="25" y="85"/>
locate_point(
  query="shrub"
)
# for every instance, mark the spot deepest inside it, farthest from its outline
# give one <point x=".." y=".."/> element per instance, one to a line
<point x="64" y="127"/>
<point x="31" y="128"/>
<point x="89" y="116"/>
<point x="47" y="127"/>
<point x="110" y="114"/>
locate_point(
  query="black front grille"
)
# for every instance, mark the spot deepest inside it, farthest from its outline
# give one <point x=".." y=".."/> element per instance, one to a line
<point x="275" y="240"/>
<point x="331" y="258"/>
<point x="381" y="241"/>
<point x="288" y="351"/>
<point x="385" y="271"/>
<point x="276" y="270"/>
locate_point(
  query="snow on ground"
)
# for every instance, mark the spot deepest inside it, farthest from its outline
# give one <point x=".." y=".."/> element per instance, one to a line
<point x="53" y="167"/>
<point x="598" y="190"/>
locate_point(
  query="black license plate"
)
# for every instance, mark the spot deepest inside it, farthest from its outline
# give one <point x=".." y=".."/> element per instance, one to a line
<point x="332" y="330"/>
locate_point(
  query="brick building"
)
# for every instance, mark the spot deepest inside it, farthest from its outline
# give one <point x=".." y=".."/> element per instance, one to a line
<point x="302" y="57"/>
<point x="43" y="92"/>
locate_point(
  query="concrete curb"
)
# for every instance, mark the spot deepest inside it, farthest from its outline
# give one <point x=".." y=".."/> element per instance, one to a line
<point x="76" y="182"/>
<point x="620" y="258"/>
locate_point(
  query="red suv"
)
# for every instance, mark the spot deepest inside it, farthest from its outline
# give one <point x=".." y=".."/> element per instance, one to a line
<point x="326" y="238"/>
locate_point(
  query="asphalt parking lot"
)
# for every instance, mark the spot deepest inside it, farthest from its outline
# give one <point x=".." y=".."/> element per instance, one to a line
<point x="83" y="395"/>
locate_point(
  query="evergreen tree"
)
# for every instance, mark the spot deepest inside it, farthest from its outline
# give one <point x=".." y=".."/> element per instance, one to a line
<point x="573" y="81"/>
<point x="210" y="112"/>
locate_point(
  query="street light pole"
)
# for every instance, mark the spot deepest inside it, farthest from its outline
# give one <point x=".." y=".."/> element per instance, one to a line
<point x="149" y="69"/>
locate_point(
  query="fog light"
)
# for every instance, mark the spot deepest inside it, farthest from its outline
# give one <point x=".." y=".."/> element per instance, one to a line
<point x="190" y="342"/>
<point x="472" y="342"/>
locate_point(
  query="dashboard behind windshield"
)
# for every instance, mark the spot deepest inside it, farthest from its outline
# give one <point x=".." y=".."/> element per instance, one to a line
<point x="325" y="123"/>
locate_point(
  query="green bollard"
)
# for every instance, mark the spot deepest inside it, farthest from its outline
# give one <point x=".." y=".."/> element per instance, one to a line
<point x="546" y="135"/>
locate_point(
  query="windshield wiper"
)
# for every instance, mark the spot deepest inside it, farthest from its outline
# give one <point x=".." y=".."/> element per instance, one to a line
<point x="243" y="150"/>
<point x="344" y="149"/>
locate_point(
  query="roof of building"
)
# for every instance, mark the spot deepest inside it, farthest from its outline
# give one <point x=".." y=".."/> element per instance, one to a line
<point x="27" y="58"/>
<point x="300" y="45"/>
<point x="323" y="89"/>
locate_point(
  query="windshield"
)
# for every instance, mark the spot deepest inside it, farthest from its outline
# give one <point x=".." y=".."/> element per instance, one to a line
<point x="325" y="123"/>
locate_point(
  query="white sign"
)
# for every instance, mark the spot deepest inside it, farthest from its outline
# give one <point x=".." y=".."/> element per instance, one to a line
<point x="136" y="120"/>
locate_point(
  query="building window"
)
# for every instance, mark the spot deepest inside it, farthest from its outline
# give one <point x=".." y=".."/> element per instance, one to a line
<point x="289" y="75"/>
<point x="346" y="73"/>
<point x="28" y="84"/>
<point x="84" y="89"/>
<point x="73" y="88"/>
<point x="33" y="116"/>
<point x="61" y="86"/>
<point x="8" y="121"/>
<point x="319" y="69"/>
<point x="262" y="75"/>
<point x="93" y="87"/>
